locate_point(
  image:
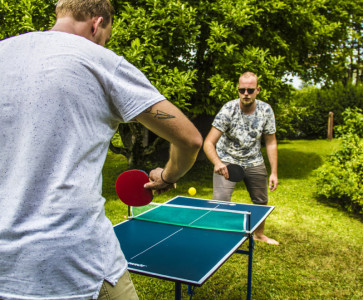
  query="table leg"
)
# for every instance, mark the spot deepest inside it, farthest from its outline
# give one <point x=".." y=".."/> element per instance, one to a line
<point x="177" y="291"/>
<point x="250" y="259"/>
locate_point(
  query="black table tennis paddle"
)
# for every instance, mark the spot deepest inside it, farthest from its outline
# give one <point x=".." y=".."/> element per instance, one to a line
<point x="236" y="173"/>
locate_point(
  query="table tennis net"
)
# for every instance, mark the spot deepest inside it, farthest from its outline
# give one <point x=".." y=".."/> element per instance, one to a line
<point x="195" y="217"/>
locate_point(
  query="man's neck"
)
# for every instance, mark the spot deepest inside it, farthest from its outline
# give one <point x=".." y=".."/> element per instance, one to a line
<point x="70" y="25"/>
<point x="248" y="109"/>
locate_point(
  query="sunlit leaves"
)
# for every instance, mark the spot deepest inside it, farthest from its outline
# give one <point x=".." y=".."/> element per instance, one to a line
<point x="340" y="179"/>
<point x="22" y="16"/>
<point x="159" y="37"/>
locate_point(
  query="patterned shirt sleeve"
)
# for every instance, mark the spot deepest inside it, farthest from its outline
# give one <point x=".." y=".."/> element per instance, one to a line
<point x="270" y="126"/>
<point x="223" y="119"/>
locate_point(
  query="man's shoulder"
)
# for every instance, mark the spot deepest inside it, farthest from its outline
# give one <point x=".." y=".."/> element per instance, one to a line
<point x="262" y="103"/>
<point x="77" y="48"/>
<point x="231" y="105"/>
<point x="48" y="39"/>
<point x="229" y="108"/>
<point x="17" y="38"/>
<point x="233" y="102"/>
<point x="263" y="106"/>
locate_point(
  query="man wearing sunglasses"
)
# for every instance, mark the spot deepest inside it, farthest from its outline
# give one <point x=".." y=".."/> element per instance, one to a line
<point x="235" y="138"/>
<point x="62" y="97"/>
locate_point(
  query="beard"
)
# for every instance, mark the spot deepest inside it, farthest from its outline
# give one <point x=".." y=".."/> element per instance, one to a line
<point x="247" y="101"/>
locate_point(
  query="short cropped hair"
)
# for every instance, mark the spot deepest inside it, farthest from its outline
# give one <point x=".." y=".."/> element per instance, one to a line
<point x="248" y="75"/>
<point x="80" y="10"/>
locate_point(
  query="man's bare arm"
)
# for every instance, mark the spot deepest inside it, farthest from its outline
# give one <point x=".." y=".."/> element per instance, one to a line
<point x="271" y="150"/>
<point x="168" y="122"/>
<point x="210" y="151"/>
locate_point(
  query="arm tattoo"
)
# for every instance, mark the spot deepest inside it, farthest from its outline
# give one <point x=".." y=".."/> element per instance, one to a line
<point x="159" y="114"/>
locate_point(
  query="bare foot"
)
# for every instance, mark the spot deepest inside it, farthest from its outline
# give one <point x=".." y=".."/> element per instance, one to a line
<point x="266" y="239"/>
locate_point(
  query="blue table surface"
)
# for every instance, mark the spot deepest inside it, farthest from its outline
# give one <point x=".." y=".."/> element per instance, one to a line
<point x="183" y="254"/>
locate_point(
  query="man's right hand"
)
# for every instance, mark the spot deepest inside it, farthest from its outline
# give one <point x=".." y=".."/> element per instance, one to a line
<point x="221" y="169"/>
<point x="157" y="184"/>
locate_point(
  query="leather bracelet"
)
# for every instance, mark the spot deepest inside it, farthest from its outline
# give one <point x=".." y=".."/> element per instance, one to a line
<point x="161" y="175"/>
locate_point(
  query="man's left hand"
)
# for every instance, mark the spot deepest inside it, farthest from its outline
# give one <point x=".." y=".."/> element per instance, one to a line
<point x="273" y="182"/>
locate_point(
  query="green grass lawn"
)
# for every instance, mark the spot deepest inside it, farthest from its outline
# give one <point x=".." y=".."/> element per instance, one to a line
<point x="320" y="255"/>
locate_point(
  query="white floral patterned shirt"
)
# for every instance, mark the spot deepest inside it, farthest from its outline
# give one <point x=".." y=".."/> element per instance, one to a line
<point x="240" y="142"/>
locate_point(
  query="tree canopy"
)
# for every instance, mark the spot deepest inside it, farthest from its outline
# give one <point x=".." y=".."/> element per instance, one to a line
<point x="194" y="51"/>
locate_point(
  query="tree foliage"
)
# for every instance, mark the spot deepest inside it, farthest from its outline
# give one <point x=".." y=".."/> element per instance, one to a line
<point x="21" y="16"/>
<point x="194" y="51"/>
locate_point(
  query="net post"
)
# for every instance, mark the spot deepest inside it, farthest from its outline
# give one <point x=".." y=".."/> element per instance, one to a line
<point x="249" y="222"/>
<point x="250" y="258"/>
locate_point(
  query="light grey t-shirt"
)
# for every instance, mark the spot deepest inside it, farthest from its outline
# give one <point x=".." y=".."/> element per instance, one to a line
<point x="61" y="100"/>
<point x="240" y="142"/>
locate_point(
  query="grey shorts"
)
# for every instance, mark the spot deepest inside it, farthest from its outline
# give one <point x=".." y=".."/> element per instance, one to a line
<point x="124" y="289"/>
<point x="255" y="181"/>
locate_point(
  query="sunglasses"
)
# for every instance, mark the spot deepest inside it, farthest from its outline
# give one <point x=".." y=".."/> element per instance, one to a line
<point x="249" y="91"/>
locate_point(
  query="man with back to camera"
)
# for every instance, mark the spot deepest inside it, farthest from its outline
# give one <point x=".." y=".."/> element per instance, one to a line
<point x="62" y="96"/>
<point x="235" y="138"/>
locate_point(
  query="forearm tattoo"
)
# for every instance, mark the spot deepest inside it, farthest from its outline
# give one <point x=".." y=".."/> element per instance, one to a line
<point x="159" y="114"/>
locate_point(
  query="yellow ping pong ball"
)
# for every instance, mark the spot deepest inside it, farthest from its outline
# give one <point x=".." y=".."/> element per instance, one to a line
<point x="192" y="191"/>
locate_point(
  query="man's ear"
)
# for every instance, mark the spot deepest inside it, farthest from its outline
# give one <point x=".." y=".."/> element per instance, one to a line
<point x="96" y="22"/>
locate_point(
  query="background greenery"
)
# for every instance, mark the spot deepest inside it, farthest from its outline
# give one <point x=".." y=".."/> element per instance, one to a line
<point x="320" y="252"/>
<point x="194" y="51"/>
<point x="340" y="178"/>
<point x="305" y="114"/>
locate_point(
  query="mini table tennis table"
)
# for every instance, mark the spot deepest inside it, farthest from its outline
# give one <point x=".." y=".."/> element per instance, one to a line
<point x="187" y="255"/>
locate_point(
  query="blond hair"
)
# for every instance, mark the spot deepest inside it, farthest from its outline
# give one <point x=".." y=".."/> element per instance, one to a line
<point x="80" y="10"/>
<point x="249" y="75"/>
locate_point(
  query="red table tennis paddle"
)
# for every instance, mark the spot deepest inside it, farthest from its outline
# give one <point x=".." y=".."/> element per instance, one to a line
<point x="236" y="173"/>
<point x="130" y="188"/>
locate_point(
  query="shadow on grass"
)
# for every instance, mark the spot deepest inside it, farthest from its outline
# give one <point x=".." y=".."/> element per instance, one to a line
<point x="291" y="164"/>
<point x="353" y="212"/>
<point x="296" y="164"/>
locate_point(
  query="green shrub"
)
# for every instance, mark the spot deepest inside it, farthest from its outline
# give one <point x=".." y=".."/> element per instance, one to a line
<point x="340" y="179"/>
<point x="288" y="119"/>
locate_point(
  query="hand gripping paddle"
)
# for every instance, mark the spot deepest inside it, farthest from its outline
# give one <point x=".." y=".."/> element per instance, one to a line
<point x="236" y="173"/>
<point x="130" y="188"/>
